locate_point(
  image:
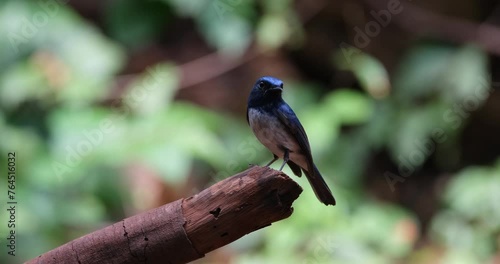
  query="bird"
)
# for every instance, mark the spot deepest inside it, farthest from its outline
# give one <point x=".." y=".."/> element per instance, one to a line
<point x="276" y="126"/>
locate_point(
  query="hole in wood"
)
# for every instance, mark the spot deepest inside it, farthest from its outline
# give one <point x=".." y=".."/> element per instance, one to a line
<point x="216" y="212"/>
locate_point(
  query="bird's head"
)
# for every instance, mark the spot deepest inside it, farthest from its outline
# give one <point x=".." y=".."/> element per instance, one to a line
<point x="266" y="89"/>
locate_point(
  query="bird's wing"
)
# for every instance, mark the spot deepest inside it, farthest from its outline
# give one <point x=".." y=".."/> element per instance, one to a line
<point x="289" y="119"/>
<point x="286" y="115"/>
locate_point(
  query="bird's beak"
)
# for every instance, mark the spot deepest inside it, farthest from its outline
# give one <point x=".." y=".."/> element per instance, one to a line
<point x="275" y="89"/>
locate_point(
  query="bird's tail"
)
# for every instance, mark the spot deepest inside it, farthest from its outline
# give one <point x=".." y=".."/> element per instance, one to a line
<point x="320" y="187"/>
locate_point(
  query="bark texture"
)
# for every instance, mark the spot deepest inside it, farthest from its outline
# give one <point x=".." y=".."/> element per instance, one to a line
<point x="187" y="229"/>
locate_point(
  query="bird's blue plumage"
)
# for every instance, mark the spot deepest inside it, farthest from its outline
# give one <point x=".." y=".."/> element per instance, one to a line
<point x="272" y="81"/>
<point x="277" y="127"/>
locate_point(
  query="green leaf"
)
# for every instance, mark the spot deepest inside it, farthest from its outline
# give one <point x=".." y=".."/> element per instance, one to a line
<point x="474" y="194"/>
<point x="466" y="80"/>
<point x="226" y="31"/>
<point x="154" y="90"/>
<point x="420" y="70"/>
<point x="190" y="8"/>
<point x="22" y="82"/>
<point x="349" y="106"/>
<point x="273" y="31"/>
<point x="370" y="72"/>
<point x="78" y="68"/>
<point x="224" y="24"/>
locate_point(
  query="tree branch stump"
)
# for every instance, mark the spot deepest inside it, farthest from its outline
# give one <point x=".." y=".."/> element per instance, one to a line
<point x="187" y="229"/>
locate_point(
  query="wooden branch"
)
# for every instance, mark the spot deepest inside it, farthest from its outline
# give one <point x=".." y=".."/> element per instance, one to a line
<point x="187" y="229"/>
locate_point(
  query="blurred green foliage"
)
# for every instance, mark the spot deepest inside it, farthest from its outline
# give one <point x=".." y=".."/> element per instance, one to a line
<point x="72" y="147"/>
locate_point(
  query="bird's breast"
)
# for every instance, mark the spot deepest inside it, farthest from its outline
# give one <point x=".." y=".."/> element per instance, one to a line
<point x="271" y="132"/>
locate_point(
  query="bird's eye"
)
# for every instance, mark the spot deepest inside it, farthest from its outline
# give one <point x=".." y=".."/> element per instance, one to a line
<point x="261" y="85"/>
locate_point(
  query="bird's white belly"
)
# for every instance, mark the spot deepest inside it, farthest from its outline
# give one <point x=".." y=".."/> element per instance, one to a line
<point x="273" y="134"/>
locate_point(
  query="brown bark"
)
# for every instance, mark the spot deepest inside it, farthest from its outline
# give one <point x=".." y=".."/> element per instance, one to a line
<point x="187" y="229"/>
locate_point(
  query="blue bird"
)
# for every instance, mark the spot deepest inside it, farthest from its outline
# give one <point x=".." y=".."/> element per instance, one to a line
<point x="277" y="127"/>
